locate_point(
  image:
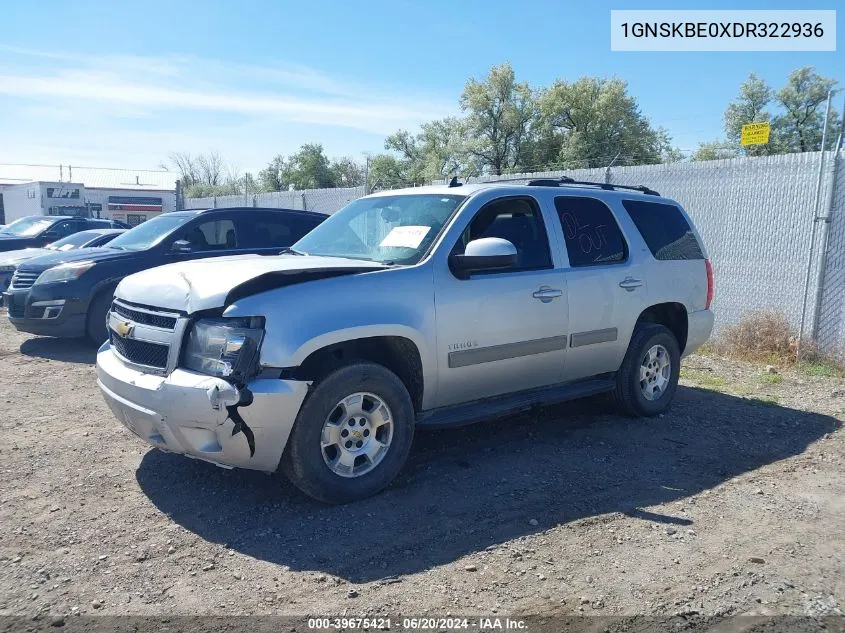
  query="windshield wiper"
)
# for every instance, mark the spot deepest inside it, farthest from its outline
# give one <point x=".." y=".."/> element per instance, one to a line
<point x="292" y="251"/>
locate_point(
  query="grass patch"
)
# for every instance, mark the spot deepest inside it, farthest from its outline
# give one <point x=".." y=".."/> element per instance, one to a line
<point x="771" y="379"/>
<point x="766" y="337"/>
<point x="824" y="368"/>
<point x="703" y="379"/>
<point x="766" y="399"/>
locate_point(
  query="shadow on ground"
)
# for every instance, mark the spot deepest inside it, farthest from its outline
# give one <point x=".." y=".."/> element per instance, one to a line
<point x="466" y="489"/>
<point x="68" y="350"/>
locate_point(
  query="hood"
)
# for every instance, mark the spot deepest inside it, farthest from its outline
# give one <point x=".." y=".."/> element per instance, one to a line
<point x="206" y="284"/>
<point x="12" y="242"/>
<point x="11" y="258"/>
<point x="42" y="263"/>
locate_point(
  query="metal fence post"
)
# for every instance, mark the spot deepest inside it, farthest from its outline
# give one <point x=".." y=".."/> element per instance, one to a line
<point x="826" y="219"/>
<point x="813" y="234"/>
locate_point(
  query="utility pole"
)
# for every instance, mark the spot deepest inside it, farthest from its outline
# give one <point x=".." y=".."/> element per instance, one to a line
<point x="607" y="169"/>
<point x="366" y="174"/>
<point x="69" y="173"/>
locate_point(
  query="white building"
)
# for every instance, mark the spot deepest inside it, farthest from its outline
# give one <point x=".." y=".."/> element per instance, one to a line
<point x="132" y="206"/>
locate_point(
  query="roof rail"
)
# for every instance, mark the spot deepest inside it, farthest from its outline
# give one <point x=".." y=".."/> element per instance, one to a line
<point x="565" y="181"/>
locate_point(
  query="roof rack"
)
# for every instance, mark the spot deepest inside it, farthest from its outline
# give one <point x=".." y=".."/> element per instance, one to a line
<point x="565" y="181"/>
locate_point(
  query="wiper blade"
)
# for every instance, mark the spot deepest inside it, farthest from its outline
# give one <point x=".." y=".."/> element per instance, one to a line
<point x="287" y="250"/>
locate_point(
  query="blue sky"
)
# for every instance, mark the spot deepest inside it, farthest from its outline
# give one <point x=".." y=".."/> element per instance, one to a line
<point x="123" y="84"/>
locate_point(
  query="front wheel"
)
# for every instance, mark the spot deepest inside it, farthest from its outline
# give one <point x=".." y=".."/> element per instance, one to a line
<point x="648" y="377"/>
<point x="95" y="323"/>
<point x="352" y="435"/>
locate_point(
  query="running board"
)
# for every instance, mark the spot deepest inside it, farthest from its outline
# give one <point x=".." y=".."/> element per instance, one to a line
<point x="491" y="408"/>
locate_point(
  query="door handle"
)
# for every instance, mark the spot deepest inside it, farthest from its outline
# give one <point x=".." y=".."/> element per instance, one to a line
<point x="546" y="294"/>
<point x="630" y="284"/>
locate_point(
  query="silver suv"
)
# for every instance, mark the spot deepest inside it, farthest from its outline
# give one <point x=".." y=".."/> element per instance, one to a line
<point x="416" y="308"/>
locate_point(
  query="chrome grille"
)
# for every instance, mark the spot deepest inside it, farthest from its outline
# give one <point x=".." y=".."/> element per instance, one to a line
<point x="140" y="352"/>
<point x="144" y="336"/>
<point x="21" y="280"/>
<point x="144" y="316"/>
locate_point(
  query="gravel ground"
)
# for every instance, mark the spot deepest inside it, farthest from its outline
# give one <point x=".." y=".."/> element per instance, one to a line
<point x="731" y="503"/>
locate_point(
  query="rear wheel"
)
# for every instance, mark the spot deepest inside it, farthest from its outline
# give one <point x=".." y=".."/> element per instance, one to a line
<point x="352" y="435"/>
<point x="648" y="377"/>
<point x="98" y="310"/>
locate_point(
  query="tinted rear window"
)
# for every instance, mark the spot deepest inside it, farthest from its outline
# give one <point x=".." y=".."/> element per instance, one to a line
<point x="664" y="229"/>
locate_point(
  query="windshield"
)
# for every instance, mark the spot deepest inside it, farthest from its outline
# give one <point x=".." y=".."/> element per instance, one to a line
<point x="73" y="241"/>
<point x="387" y="229"/>
<point x="27" y="226"/>
<point x="149" y="233"/>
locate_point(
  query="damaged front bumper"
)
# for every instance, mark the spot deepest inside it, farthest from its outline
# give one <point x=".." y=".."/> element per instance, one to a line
<point x="189" y="413"/>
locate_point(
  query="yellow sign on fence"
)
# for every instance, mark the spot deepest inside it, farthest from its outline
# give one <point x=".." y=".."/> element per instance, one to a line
<point x="755" y="134"/>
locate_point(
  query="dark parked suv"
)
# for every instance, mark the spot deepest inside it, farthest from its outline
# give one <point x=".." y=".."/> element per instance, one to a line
<point x="35" y="231"/>
<point x="69" y="294"/>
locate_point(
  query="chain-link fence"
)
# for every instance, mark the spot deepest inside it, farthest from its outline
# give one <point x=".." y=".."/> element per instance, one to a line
<point x="322" y="200"/>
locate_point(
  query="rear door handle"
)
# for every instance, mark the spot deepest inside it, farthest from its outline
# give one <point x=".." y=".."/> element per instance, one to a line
<point x="546" y="294"/>
<point x="630" y="284"/>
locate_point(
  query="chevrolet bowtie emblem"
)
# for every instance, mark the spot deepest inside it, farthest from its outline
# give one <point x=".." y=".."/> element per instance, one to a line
<point x="124" y="328"/>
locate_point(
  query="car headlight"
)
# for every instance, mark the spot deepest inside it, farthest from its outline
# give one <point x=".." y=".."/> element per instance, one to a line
<point x="63" y="272"/>
<point x="224" y="347"/>
<point x="7" y="269"/>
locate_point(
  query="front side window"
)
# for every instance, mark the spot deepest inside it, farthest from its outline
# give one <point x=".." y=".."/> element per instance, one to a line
<point x="590" y="231"/>
<point x="63" y="229"/>
<point x="388" y="229"/>
<point x="664" y="229"/>
<point x="518" y="221"/>
<point x="212" y="235"/>
<point x="149" y="233"/>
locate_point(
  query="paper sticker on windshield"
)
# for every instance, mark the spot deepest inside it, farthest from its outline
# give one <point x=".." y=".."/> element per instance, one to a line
<point x="406" y="236"/>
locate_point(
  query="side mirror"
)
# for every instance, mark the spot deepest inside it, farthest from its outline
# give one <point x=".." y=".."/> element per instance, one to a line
<point x="49" y="236"/>
<point x="487" y="253"/>
<point x="181" y="246"/>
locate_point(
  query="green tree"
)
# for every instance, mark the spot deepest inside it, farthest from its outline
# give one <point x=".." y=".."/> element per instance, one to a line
<point x="588" y="122"/>
<point x="436" y="152"/>
<point x="387" y="171"/>
<point x="309" y="168"/>
<point x="715" y="150"/>
<point x="346" y="172"/>
<point x="499" y="111"/>
<point x="750" y="106"/>
<point x="270" y="178"/>
<point x="803" y="99"/>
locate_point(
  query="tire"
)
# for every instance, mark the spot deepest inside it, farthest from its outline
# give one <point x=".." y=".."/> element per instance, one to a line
<point x="313" y="467"/>
<point x="630" y="394"/>
<point x="95" y="323"/>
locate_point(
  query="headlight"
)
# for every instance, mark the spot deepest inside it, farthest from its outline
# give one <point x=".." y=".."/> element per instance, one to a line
<point x="7" y="269"/>
<point x="63" y="272"/>
<point x="224" y="347"/>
